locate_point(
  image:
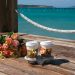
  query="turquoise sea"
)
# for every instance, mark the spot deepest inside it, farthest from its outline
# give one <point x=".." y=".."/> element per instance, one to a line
<point x="59" y="18"/>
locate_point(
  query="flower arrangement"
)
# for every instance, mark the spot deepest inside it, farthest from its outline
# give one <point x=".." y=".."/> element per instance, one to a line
<point x="11" y="46"/>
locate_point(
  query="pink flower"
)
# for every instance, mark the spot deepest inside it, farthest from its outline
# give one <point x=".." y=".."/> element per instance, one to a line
<point x="5" y="46"/>
<point x="15" y="43"/>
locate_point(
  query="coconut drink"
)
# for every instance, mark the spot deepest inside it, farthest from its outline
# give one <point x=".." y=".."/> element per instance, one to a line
<point x="45" y="48"/>
<point x="32" y="50"/>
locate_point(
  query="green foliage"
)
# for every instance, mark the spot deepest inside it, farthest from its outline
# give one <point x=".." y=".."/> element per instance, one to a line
<point x="2" y="39"/>
<point x="10" y="33"/>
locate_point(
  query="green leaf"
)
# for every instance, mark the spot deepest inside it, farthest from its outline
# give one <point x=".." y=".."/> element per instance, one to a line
<point x="10" y="33"/>
<point x="2" y="39"/>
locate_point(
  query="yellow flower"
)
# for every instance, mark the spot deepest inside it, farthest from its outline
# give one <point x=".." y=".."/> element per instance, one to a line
<point x="14" y="36"/>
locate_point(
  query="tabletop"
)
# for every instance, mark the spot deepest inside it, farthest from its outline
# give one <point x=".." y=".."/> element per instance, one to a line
<point x="63" y="63"/>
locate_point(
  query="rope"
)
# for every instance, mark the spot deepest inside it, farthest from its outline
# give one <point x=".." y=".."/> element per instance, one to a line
<point x="44" y="27"/>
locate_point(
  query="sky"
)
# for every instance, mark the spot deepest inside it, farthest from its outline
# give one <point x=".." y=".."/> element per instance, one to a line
<point x="56" y="3"/>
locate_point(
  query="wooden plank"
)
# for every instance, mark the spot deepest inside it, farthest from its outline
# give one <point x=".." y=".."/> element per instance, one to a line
<point x="60" y="65"/>
<point x="2" y="73"/>
<point x="55" y="68"/>
<point x="62" y="42"/>
<point x="58" y="69"/>
<point x="69" y="65"/>
<point x="26" y="68"/>
<point x="64" y="52"/>
<point x="11" y="71"/>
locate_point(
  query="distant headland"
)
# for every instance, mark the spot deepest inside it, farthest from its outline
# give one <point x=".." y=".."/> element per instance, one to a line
<point x="73" y="7"/>
<point x="41" y="6"/>
<point x="35" y="6"/>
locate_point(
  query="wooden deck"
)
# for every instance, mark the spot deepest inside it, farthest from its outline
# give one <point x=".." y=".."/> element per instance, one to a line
<point x="19" y="66"/>
<point x="63" y="63"/>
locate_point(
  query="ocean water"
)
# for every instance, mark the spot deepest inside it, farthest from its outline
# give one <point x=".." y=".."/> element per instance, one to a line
<point x="59" y="18"/>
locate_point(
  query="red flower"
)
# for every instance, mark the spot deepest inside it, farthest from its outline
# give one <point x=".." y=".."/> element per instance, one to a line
<point x="7" y="53"/>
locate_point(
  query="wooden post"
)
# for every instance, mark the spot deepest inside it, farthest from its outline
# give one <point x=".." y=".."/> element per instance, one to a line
<point x="8" y="16"/>
<point x="12" y="15"/>
<point x="3" y="20"/>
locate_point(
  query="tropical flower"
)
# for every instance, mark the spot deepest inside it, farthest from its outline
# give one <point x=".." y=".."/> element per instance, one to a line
<point x="15" y="43"/>
<point x="14" y="36"/>
<point x="7" y="53"/>
<point x="5" y="46"/>
<point x="10" y="45"/>
<point x="8" y="40"/>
